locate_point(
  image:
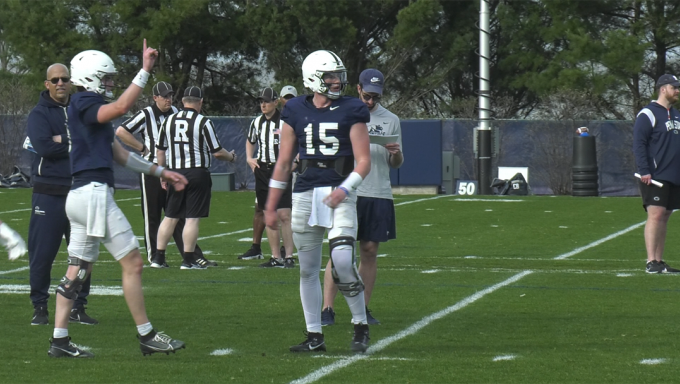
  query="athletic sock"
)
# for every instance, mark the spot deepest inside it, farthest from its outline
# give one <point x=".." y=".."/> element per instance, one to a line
<point x="189" y="257"/>
<point x="60" y="333"/>
<point x="160" y="253"/>
<point x="144" y="329"/>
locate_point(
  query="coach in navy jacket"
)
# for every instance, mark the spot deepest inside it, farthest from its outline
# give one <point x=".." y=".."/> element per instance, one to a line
<point x="51" y="175"/>
<point x="656" y="144"/>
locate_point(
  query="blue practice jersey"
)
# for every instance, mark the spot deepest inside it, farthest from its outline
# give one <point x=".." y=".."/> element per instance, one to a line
<point x="91" y="151"/>
<point x="323" y="134"/>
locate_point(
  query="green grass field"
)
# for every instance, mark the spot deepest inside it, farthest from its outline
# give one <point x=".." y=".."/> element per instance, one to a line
<point x="475" y="290"/>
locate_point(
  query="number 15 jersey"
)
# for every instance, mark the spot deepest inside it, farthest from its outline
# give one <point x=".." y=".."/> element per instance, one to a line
<point x="323" y="134"/>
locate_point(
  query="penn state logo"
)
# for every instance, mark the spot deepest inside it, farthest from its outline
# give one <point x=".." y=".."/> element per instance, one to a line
<point x="376" y="130"/>
<point x="674" y="126"/>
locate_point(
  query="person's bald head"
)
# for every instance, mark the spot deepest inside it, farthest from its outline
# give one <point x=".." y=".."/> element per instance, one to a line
<point x="58" y="83"/>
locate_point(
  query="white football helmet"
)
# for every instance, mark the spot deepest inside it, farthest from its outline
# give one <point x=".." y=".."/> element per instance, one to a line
<point x="321" y="66"/>
<point x="88" y="68"/>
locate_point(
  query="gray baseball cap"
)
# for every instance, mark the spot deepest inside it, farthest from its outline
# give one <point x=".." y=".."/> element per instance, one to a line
<point x="288" y="90"/>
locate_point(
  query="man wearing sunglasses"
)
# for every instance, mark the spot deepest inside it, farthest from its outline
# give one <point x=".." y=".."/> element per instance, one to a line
<point x="51" y="174"/>
<point x="147" y="123"/>
<point x="375" y="206"/>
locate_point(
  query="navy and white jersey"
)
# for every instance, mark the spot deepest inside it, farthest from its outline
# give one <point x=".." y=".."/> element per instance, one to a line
<point x="147" y="123"/>
<point x="189" y="139"/>
<point x="91" y="151"/>
<point x="323" y="134"/>
<point x="656" y="143"/>
<point x="265" y="133"/>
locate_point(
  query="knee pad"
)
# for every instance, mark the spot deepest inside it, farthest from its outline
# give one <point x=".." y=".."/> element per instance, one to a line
<point x="356" y="285"/>
<point x="74" y="286"/>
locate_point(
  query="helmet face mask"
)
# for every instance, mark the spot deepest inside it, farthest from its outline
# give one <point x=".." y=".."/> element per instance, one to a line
<point x="94" y="71"/>
<point x="324" y="73"/>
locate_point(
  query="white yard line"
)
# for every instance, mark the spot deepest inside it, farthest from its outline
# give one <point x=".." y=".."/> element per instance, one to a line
<point x="98" y="290"/>
<point x="16" y="210"/>
<point x="598" y="242"/>
<point x="14" y="270"/>
<point x="419" y="200"/>
<point x="422" y="323"/>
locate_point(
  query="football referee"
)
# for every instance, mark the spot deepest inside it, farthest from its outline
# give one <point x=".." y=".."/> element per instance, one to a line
<point x="186" y="144"/>
<point x="265" y="132"/>
<point x="147" y="123"/>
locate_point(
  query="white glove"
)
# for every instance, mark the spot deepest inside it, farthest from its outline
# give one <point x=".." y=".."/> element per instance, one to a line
<point x="12" y="241"/>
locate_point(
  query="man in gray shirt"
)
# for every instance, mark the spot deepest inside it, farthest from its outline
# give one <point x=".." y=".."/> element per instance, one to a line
<point x="375" y="205"/>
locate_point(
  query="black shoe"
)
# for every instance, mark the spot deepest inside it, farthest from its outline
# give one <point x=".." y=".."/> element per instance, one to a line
<point x="63" y="347"/>
<point x="314" y="343"/>
<point x="202" y="261"/>
<point x="665" y="268"/>
<point x="160" y="342"/>
<point x="653" y="267"/>
<point x="252" y="254"/>
<point x="327" y="317"/>
<point x="159" y="263"/>
<point x="186" y="265"/>
<point x="289" y="262"/>
<point x="79" y="316"/>
<point x="40" y="316"/>
<point x="273" y="263"/>
<point x="370" y="319"/>
<point x="360" y="339"/>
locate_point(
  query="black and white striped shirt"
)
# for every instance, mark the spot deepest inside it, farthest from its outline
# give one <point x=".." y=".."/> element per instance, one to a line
<point x="265" y="133"/>
<point x="189" y="139"/>
<point x="147" y="123"/>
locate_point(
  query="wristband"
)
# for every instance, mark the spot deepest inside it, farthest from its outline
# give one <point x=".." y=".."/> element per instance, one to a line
<point x="158" y="171"/>
<point x="141" y="78"/>
<point x="344" y="189"/>
<point x="352" y="182"/>
<point x="277" y="184"/>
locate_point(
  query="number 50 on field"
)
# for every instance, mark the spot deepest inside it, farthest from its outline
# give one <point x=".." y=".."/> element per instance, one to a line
<point x="466" y="187"/>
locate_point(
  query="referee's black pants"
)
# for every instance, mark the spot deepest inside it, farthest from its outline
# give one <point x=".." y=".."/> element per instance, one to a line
<point x="153" y="204"/>
<point x="48" y="225"/>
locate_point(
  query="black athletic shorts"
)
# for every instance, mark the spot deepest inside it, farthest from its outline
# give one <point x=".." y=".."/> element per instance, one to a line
<point x="376" y="219"/>
<point x="667" y="196"/>
<point x="194" y="201"/>
<point x="262" y="176"/>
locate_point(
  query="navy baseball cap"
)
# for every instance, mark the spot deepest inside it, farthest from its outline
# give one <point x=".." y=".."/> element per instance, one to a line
<point x="372" y="81"/>
<point x="193" y="91"/>
<point x="667" y="79"/>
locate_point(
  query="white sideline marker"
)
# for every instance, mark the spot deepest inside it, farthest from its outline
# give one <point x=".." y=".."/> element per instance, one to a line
<point x="598" y="242"/>
<point x="652" y="361"/>
<point x="422" y="323"/>
<point x="222" y="352"/>
<point x="504" y="357"/>
<point x="430" y="271"/>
